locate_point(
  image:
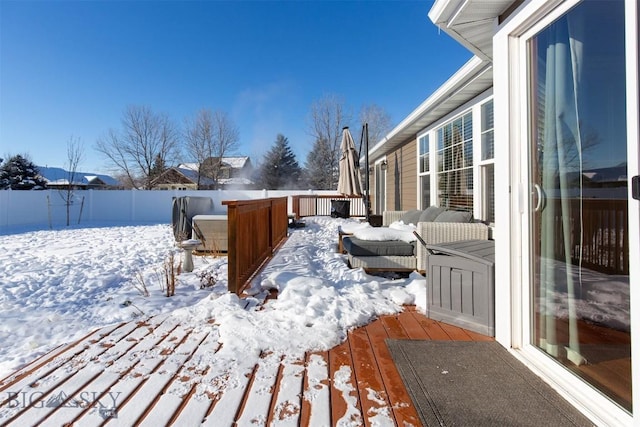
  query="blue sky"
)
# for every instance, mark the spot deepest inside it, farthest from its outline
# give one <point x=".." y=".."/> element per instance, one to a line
<point x="70" y="68"/>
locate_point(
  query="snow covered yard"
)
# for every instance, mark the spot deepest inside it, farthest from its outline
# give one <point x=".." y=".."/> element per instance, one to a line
<point x="59" y="285"/>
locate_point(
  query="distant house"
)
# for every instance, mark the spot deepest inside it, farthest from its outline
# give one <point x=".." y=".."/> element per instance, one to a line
<point x="59" y="178"/>
<point x="217" y="173"/>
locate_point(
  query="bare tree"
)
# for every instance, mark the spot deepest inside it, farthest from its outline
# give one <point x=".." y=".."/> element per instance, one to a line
<point x="209" y="137"/>
<point x="198" y="136"/>
<point x="75" y="154"/>
<point x="327" y="118"/>
<point x="146" y="139"/>
<point x="379" y="122"/>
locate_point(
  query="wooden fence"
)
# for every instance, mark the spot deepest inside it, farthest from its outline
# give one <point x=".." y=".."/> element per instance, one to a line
<point x="311" y="205"/>
<point x="255" y="229"/>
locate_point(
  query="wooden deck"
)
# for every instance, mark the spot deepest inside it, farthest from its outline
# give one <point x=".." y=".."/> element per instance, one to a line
<point x="156" y="373"/>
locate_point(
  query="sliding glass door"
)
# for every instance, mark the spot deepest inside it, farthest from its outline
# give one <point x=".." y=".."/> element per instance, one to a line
<point x="578" y="218"/>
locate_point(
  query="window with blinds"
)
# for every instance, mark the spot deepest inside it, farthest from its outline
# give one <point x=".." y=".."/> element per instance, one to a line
<point x="487" y="149"/>
<point x="487" y="130"/>
<point x="423" y="144"/>
<point x="455" y="163"/>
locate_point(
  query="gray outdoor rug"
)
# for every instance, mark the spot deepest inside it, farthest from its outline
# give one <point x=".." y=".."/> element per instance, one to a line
<point x="477" y="384"/>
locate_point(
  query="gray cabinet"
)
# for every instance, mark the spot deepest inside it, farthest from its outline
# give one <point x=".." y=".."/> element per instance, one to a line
<point x="460" y="284"/>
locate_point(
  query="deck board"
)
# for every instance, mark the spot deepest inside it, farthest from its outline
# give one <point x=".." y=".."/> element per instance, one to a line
<point x="411" y="326"/>
<point x="256" y="407"/>
<point x="394" y="327"/>
<point x="285" y="409"/>
<point x="403" y="410"/>
<point x="433" y="329"/>
<point x="161" y="373"/>
<point x="316" y="408"/>
<point x="343" y="401"/>
<point x="373" y="396"/>
<point x="227" y="402"/>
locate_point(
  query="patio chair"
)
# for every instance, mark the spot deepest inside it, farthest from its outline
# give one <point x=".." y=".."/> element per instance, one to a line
<point x="434" y="225"/>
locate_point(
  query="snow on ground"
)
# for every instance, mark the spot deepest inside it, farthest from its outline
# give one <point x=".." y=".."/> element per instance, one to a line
<point x="58" y="285"/>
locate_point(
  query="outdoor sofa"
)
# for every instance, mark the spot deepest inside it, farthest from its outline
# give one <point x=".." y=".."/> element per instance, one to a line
<point x="434" y="225"/>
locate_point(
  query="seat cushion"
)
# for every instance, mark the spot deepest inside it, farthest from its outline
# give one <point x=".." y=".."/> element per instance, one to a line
<point x="454" y="216"/>
<point x="359" y="247"/>
<point x="411" y="217"/>
<point x="431" y="213"/>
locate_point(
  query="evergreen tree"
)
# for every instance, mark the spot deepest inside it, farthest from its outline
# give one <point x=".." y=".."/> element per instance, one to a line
<point x="19" y="173"/>
<point x="319" y="175"/>
<point x="158" y="168"/>
<point x="280" y="169"/>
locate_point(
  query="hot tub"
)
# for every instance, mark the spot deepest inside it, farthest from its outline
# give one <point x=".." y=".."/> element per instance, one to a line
<point x="212" y="231"/>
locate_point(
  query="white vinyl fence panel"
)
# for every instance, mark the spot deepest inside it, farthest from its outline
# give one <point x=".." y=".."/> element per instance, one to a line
<point x="47" y="209"/>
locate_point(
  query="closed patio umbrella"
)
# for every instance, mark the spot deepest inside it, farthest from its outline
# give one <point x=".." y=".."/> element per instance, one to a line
<point x="349" y="183"/>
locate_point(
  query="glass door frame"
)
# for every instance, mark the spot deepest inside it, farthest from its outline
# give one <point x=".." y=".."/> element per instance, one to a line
<point x="512" y="215"/>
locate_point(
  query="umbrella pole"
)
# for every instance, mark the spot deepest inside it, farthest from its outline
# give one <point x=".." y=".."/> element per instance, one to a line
<point x="367" y="200"/>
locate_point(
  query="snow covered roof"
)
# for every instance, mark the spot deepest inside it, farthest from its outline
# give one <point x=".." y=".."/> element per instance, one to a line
<point x="235" y="180"/>
<point x="60" y="176"/>
<point x="233" y="162"/>
<point x="192" y="175"/>
<point x="236" y="162"/>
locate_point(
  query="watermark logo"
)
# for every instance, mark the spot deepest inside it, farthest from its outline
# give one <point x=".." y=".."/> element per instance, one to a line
<point x="105" y="403"/>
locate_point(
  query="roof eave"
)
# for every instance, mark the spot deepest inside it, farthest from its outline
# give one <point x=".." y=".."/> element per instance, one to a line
<point x="470" y="22"/>
<point x="475" y="72"/>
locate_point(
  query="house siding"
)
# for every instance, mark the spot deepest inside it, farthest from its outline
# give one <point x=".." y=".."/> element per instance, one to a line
<point x="401" y="177"/>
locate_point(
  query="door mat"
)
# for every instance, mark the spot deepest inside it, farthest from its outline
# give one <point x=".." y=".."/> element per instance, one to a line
<point x="455" y="383"/>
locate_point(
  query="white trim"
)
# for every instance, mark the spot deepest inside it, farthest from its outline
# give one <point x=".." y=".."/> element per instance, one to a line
<point x="429" y="135"/>
<point x="633" y="168"/>
<point x="440" y="7"/>
<point x="503" y="184"/>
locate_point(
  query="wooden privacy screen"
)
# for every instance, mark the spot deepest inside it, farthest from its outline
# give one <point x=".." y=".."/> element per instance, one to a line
<point x="255" y="229"/>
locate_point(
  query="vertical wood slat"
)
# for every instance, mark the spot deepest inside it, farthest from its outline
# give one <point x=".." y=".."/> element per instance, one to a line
<point x="255" y="229"/>
<point x="598" y="233"/>
<point x="295" y="205"/>
<point x="313" y="204"/>
<point x="279" y="222"/>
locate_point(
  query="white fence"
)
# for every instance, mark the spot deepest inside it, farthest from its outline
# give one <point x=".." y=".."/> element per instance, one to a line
<point x="47" y="209"/>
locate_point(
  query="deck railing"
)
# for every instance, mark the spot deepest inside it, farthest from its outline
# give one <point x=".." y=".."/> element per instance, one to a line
<point x="599" y="234"/>
<point x="312" y="204"/>
<point x="255" y="229"/>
